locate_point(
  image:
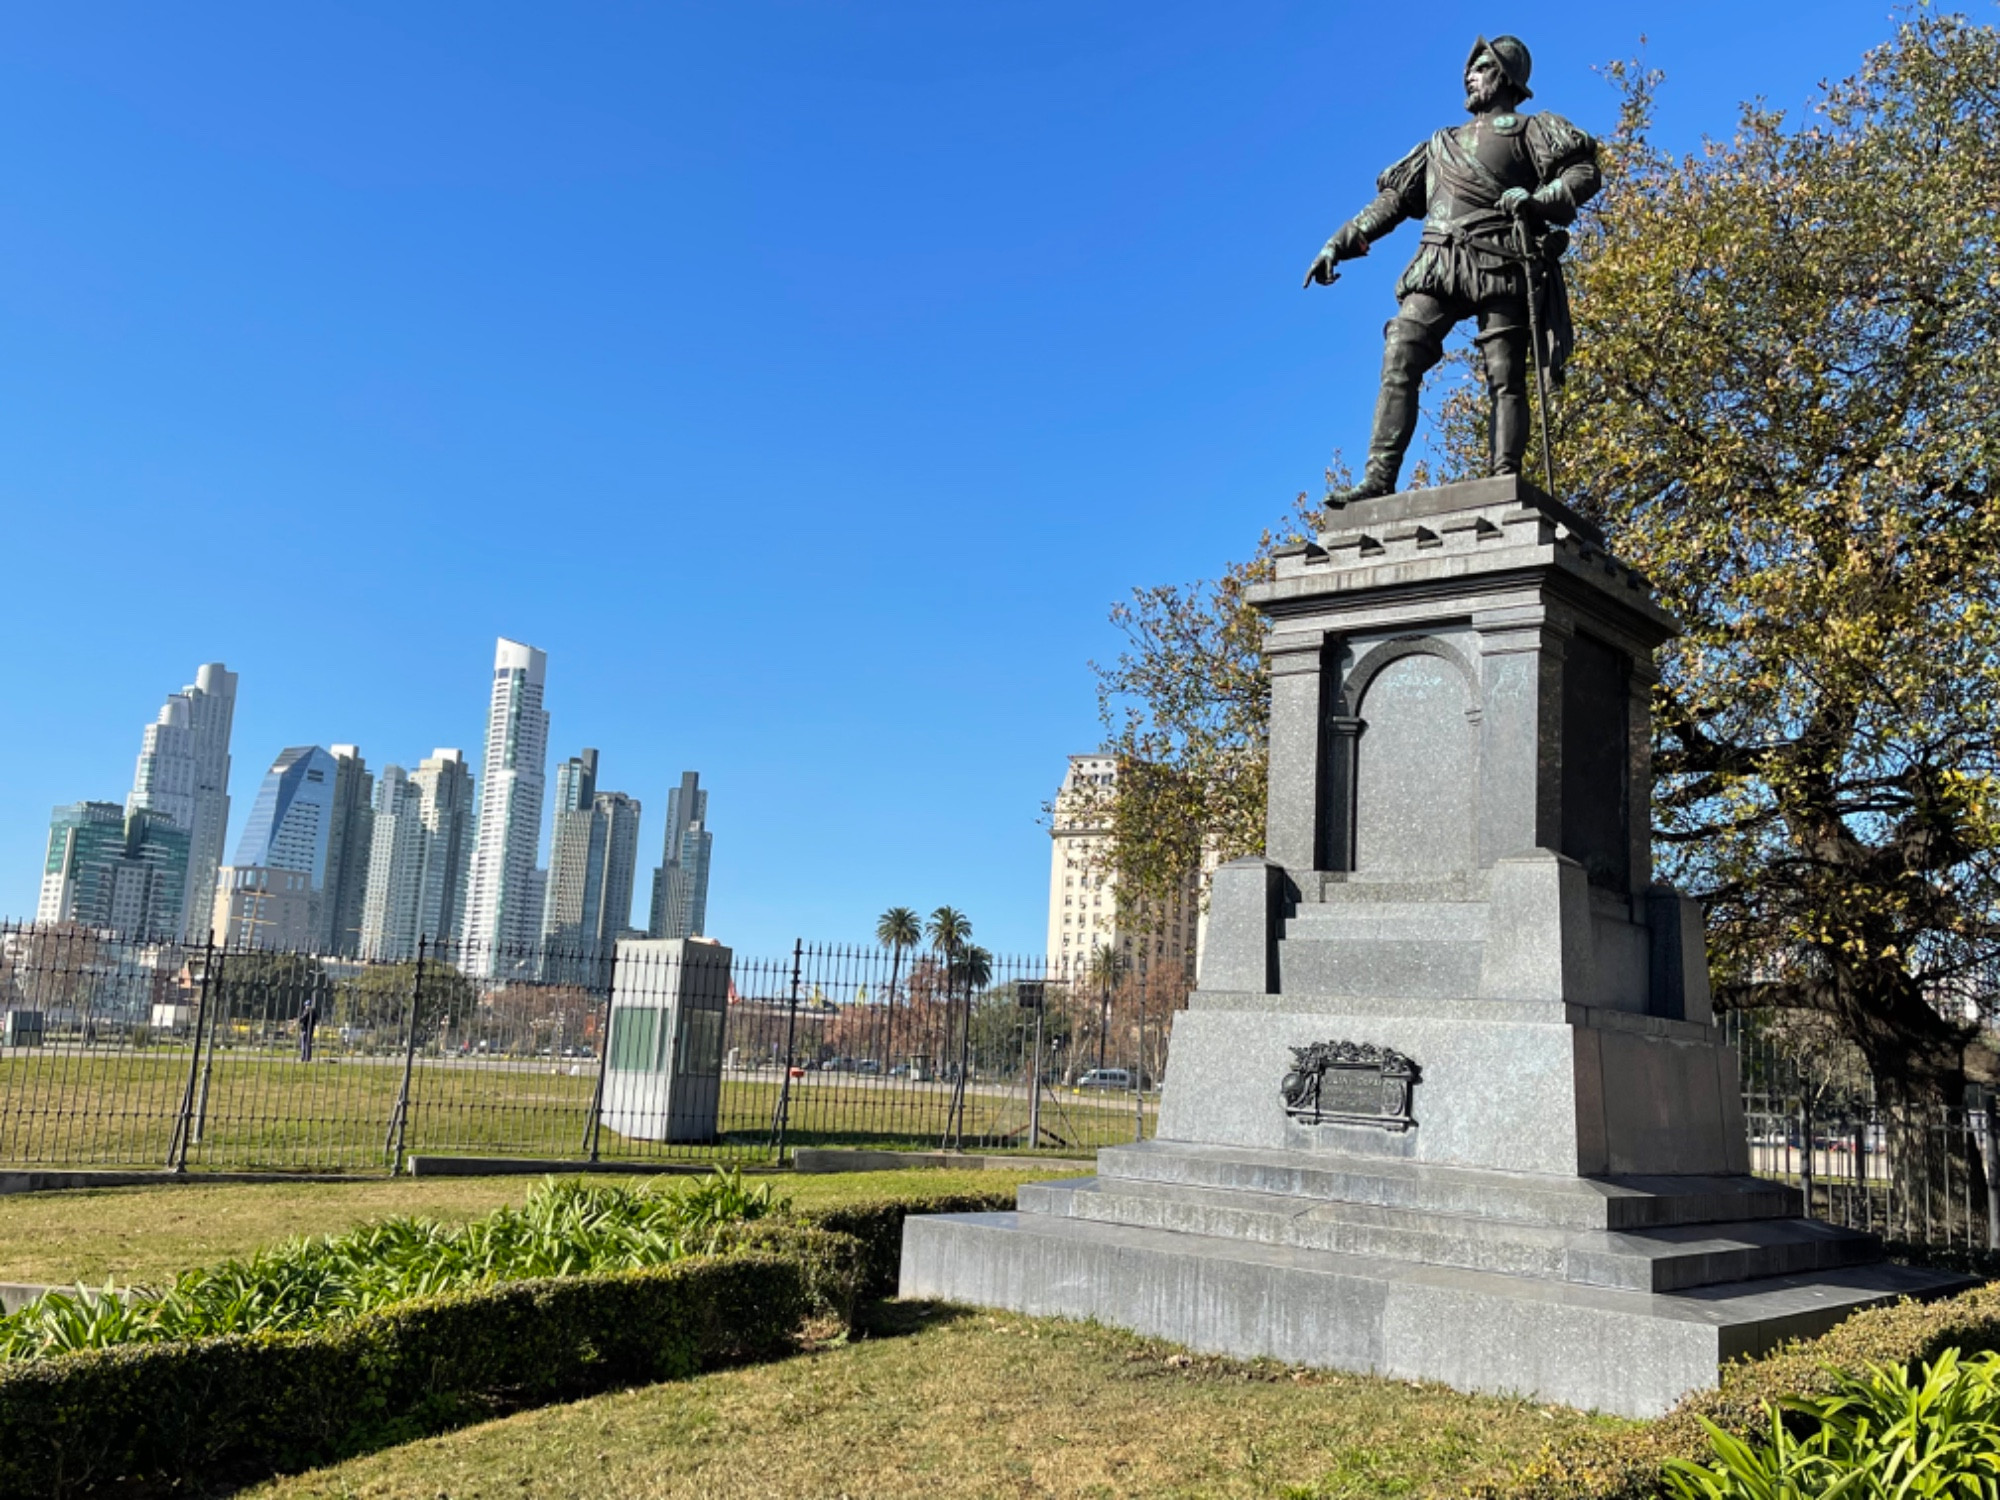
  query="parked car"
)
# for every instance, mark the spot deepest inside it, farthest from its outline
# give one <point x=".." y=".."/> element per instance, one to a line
<point x="1106" y="1078"/>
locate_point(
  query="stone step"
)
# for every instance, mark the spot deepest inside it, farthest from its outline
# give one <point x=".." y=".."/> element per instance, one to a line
<point x="1656" y="1260"/>
<point x="1415" y="970"/>
<point x="1632" y="1353"/>
<point x="1401" y="921"/>
<point x="1609" y="1203"/>
<point x="1419" y="949"/>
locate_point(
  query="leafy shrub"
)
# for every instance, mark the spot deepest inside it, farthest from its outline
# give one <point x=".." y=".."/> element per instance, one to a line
<point x="567" y="1228"/>
<point x="1880" y="1434"/>
<point x="1630" y="1465"/>
<point x="324" y="1348"/>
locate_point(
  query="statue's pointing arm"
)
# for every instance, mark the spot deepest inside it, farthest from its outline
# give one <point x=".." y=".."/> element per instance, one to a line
<point x="1566" y="163"/>
<point x="1399" y="195"/>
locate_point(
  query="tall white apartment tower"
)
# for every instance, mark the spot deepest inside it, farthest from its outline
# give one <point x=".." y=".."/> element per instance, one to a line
<point x="1087" y="925"/>
<point x="502" y="916"/>
<point x="183" y="772"/>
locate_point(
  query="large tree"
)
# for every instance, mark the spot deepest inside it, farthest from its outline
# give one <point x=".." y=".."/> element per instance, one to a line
<point x="1784" y="407"/>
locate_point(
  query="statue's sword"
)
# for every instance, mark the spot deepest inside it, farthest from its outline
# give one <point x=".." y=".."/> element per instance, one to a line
<point x="1528" y="258"/>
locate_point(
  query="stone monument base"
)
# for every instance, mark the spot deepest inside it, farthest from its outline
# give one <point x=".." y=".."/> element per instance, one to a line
<point x="1619" y="1293"/>
<point x="1448" y="1102"/>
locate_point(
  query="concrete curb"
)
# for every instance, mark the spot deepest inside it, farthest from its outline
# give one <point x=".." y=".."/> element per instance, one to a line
<point x="50" y="1181"/>
<point x="815" y="1159"/>
<point x="515" y="1166"/>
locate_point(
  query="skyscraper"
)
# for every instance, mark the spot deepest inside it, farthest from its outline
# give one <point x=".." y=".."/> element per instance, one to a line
<point x="450" y="812"/>
<point x="680" y="884"/>
<point x="501" y="912"/>
<point x="592" y="866"/>
<point x="576" y="852"/>
<point x="576" y="783"/>
<point x="108" y="868"/>
<point x="273" y="893"/>
<point x="395" y="868"/>
<point x="183" y="772"/>
<point x="421" y="856"/>
<point x="347" y="852"/>
<point x="291" y="822"/>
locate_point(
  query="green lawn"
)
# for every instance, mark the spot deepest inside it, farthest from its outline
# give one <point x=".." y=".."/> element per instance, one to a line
<point x="145" y="1234"/>
<point x="264" y="1109"/>
<point x="947" y="1402"/>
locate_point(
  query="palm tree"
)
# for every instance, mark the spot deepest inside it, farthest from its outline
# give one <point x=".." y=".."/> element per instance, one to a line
<point x="899" y="930"/>
<point x="975" y="968"/>
<point x="949" y="930"/>
<point x="1106" y="968"/>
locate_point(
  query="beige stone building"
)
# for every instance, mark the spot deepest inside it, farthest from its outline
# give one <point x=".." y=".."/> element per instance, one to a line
<point x="1083" y="897"/>
<point x="259" y="906"/>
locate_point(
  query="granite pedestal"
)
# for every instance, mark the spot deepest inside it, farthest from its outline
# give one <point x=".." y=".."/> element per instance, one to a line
<point x="1448" y="1102"/>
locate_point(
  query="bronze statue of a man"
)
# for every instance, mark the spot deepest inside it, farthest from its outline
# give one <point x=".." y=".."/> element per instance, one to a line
<point x="1487" y="192"/>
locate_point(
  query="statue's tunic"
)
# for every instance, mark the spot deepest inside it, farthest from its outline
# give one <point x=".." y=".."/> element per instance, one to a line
<point x="1453" y="182"/>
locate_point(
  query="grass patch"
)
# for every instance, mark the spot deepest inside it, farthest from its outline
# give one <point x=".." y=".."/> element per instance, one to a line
<point x="118" y="1107"/>
<point x="936" y="1401"/>
<point x="145" y="1235"/>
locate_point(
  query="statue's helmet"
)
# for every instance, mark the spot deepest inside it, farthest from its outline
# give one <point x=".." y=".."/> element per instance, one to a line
<point x="1512" y="55"/>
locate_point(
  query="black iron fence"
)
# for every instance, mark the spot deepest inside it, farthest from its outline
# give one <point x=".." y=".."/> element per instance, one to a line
<point x="1916" y="1174"/>
<point x="116" y="1052"/>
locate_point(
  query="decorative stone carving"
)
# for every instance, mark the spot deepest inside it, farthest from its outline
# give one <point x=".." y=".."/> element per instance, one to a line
<point x="1350" y="1083"/>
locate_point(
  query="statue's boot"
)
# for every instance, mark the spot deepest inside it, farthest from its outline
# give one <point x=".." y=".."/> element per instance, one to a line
<point x="1411" y="350"/>
<point x="1504" y="353"/>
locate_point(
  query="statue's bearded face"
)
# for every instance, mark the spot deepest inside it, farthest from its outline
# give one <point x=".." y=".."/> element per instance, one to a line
<point x="1485" y="85"/>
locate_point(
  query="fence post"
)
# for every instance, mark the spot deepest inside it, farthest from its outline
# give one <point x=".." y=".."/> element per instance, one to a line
<point x="782" y="1115"/>
<point x="1986" y="1155"/>
<point x="593" y="1126"/>
<point x="399" y="1120"/>
<point x="1035" y="1082"/>
<point x="1139" y="1074"/>
<point x="208" y="1060"/>
<point x="177" y="1148"/>
<point x="964" y="1065"/>
<point x="1805" y="1131"/>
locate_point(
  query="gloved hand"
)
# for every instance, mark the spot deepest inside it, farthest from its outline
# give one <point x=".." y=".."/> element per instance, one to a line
<point x="1348" y="243"/>
<point x="1322" y="268"/>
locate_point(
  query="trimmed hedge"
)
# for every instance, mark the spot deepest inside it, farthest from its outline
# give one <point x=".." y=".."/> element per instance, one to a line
<point x="878" y="1224"/>
<point x="1627" y="1465"/>
<point x="193" y="1410"/>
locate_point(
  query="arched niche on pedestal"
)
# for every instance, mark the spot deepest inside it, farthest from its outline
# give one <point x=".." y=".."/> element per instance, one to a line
<point x="1404" y="737"/>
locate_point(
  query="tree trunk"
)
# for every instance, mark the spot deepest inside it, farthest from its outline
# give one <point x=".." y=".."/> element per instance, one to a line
<point x="1938" y="1182"/>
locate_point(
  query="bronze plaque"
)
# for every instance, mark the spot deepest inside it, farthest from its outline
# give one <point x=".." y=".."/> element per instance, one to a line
<point x="1351" y="1083"/>
<point x="1345" y="1091"/>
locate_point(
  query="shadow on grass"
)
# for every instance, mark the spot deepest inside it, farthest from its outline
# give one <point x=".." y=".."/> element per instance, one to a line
<point x="879" y="1320"/>
<point x="897" y="1320"/>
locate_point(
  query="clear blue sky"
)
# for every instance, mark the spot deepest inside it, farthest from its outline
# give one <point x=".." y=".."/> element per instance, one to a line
<point x="806" y="380"/>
